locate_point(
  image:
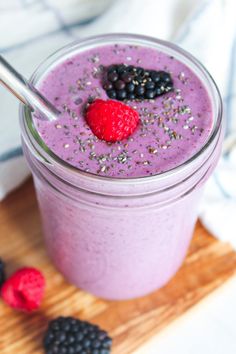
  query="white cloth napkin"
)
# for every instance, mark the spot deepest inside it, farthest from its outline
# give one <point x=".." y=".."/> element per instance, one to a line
<point x="206" y="28"/>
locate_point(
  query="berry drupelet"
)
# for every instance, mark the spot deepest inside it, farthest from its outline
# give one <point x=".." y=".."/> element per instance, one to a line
<point x="68" y="335"/>
<point x="2" y="273"/>
<point x="127" y="82"/>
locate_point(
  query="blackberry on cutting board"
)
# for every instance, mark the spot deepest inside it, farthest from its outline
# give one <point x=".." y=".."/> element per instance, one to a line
<point x="2" y="273"/>
<point x="68" y="335"/>
<point x="124" y="82"/>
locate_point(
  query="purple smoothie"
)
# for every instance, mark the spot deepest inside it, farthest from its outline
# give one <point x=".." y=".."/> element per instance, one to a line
<point x="109" y="232"/>
<point x="173" y="126"/>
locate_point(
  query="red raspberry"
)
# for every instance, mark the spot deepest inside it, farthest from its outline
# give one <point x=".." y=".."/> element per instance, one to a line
<point x="24" y="289"/>
<point x="111" y="120"/>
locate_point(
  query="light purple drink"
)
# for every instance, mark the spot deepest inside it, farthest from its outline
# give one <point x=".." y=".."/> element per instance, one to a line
<point x="118" y="217"/>
<point x="174" y="126"/>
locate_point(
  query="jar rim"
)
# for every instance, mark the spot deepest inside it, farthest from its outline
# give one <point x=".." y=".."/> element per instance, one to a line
<point x="46" y="156"/>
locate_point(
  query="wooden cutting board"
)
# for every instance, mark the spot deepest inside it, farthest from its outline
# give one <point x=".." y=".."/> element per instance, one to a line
<point x="131" y="323"/>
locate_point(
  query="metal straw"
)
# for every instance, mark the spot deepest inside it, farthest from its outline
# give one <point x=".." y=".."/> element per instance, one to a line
<point x="26" y="92"/>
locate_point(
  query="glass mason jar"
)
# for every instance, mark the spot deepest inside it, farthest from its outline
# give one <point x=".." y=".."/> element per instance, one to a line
<point x="119" y="238"/>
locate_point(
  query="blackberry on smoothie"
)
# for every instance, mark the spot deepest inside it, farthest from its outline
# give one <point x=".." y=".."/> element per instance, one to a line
<point x="120" y="174"/>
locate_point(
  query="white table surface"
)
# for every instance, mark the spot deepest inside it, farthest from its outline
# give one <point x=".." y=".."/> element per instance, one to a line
<point x="208" y="328"/>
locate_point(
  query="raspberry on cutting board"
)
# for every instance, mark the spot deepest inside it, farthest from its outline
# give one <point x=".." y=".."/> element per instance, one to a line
<point x="24" y="290"/>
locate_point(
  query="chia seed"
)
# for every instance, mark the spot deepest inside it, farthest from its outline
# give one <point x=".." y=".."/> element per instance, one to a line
<point x="122" y="158"/>
<point x="152" y="150"/>
<point x="95" y="58"/>
<point x="78" y="101"/>
<point x="184" y="110"/>
<point x="145" y="163"/>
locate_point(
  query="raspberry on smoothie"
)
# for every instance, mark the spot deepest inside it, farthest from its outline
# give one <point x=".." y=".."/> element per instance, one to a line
<point x="111" y="121"/>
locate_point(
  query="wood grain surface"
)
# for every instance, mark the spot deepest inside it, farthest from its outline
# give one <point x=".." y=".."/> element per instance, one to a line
<point x="131" y="323"/>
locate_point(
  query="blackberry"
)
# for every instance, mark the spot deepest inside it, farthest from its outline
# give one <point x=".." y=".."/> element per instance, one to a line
<point x="68" y="335"/>
<point x="108" y="86"/>
<point x="140" y="71"/>
<point x="113" y="76"/>
<point x="120" y="69"/>
<point x="111" y="69"/>
<point x="127" y="77"/>
<point x="165" y="77"/>
<point x="150" y="85"/>
<point x="2" y="273"/>
<point x="130" y="87"/>
<point x="139" y="79"/>
<point x="121" y="95"/>
<point x="150" y="94"/>
<point x="139" y="90"/>
<point x="124" y="82"/>
<point x="131" y="96"/>
<point x="111" y="94"/>
<point x="159" y="91"/>
<point x="155" y="76"/>
<point x="119" y="85"/>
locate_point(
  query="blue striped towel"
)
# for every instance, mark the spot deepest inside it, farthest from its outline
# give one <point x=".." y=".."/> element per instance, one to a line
<point x="206" y="28"/>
